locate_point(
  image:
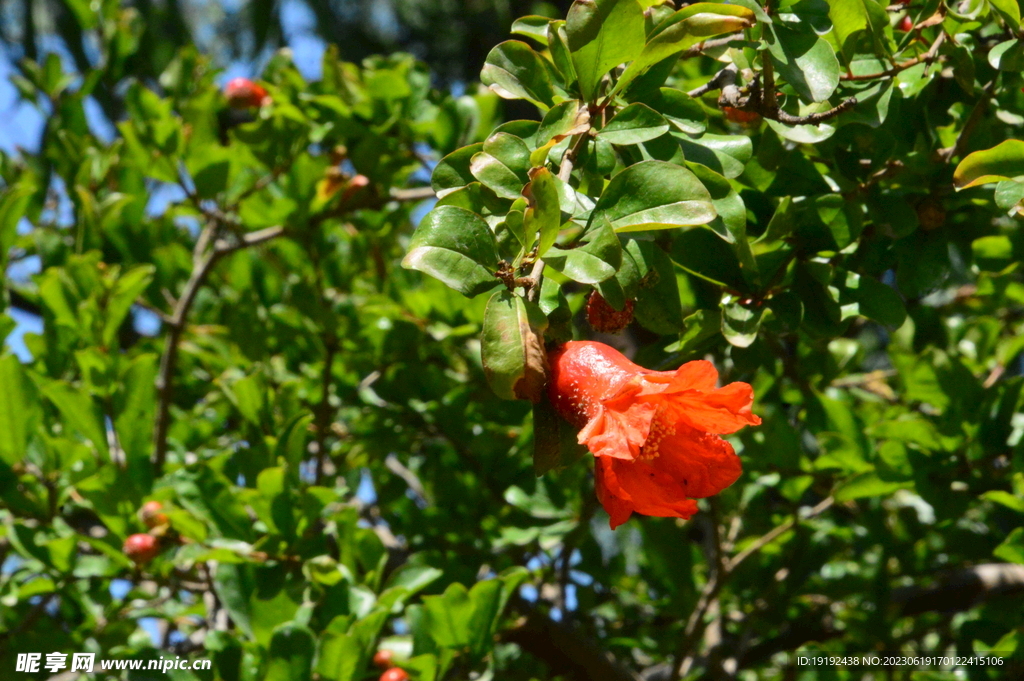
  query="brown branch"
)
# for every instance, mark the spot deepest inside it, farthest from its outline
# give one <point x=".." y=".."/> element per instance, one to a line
<point x="814" y="118"/>
<point x="774" y="534"/>
<point x="928" y="57"/>
<point x="413" y="194"/>
<point x="709" y="594"/>
<point x="204" y="258"/>
<point x="708" y="45"/>
<point x="564" y="649"/>
<point x="962" y="589"/>
<point x="723" y="78"/>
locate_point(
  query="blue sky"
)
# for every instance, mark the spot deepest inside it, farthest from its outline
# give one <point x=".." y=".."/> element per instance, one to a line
<point x="23" y="124"/>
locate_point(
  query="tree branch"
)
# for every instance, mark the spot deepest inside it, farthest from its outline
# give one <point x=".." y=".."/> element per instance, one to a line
<point x="564" y="649"/>
<point x="695" y="624"/>
<point x="204" y="258"/>
<point x="962" y="589"/>
<point x="927" y="58"/>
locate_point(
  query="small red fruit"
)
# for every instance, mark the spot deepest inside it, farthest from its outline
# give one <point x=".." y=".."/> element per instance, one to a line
<point x="906" y="24"/>
<point x="605" y="318"/>
<point x="141" y="548"/>
<point x="383" y="658"/>
<point x="242" y="93"/>
<point x="394" y="674"/>
<point x="151" y="514"/>
<point x="741" y="116"/>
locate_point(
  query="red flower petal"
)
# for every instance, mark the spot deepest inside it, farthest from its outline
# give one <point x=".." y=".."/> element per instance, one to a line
<point x="654" y="433"/>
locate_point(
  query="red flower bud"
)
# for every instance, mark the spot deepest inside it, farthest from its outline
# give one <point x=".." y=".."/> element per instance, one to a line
<point x="151" y="514"/>
<point x="141" y="548"/>
<point x="394" y="674"/>
<point x="655" y="433"/>
<point x="383" y="658"/>
<point x="741" y="116"/>
<point x="605" y="318"/>
<point x="242" y="93"/>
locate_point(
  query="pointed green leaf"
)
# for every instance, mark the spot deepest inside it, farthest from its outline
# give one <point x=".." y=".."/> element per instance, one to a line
<point x="654" y="195"/>
<point x="603" y="34"/>
<point x="512" y="347"/>
<point x="682" y="30"/>
<point x="19" y="409"/>
<point x="543" y="218"/>
<point x="457" y="247"/>
<point x="804" y="60"/>
<point x="1004" y="161"/>
<point x="515" y="71"/>
<point x="596" y="259"/>
<point x="453" y="171"/>
<point x="634" y="124"/>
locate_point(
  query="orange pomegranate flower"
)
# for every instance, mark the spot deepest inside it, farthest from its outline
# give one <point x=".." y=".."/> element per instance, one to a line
<point x="655" y="433"/>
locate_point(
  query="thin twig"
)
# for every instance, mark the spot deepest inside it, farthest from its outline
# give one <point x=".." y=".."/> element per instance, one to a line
<point x="726" y="76"/>
<point x="709" y="45"/>
<point x="413" y="194"/>
<point x="926" y="58"/>
<point x="814" y="118"/>
<point x="204" y="259"/>
<point x="695" y="624"/>
<point x="774" y="534"/>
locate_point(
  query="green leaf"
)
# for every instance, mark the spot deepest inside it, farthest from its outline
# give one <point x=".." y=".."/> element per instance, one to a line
<point x="658" y="307"/>
<point x="453" y="171"/>
<point x="19" y="409"/>
<point x="654" y="195"/>
<point x="210" y="167"/>
<point x="1004" y="161"/>
<point x="682" y="30"/>
<point x="502" y="165"/>
<point x="291" y="652"/>
<point x="876" y="300"/>
<point x="701" y="326"/>
<point x="725" y="154"/>
<point x="1012" y="548"/>
<point x="514" y="71"/>
<point x="558" y="44"/>
<point x="457" y="247"/>
<point x="865" y="485"/>
<point x="1006" y="499"/>
<point x="532" y="26"/>
<point x="807" y="62"/>
<point x="995" y="253"/>
<point x="1007" y="56"/>
<point x="568" y="118"/>
<point x="543" y="216"/>
<point x="512" y="347"/>
<point x="853" y="18"/>
<point x="634" y="124"/>
<point x="1009" y="194"/>
<point x="78" y="409"/>
<point x="603" y="34"/>
<point x="136" y="403"/>
<point x="14" y="201"/>
<point x="291" y="445"/>
<point x="682" y="111"/>
<point x="1009" y="10"/>
<point x="740" y="323"/>
<point x="596" y="259"/>
<point x="122" y="296"/>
